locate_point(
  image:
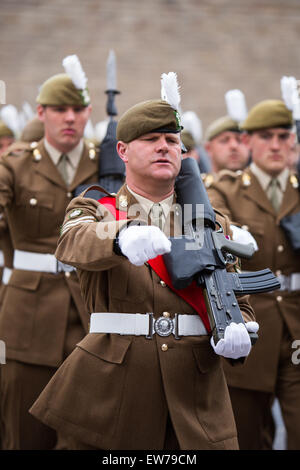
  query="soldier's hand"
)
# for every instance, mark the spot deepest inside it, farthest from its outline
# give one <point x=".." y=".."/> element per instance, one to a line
<point x="243" y="236"/>
<point x="236" y="342"/>
<point x="141" y="243"/>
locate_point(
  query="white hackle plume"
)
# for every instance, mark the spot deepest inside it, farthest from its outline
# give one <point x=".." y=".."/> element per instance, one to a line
<point x="100" y="130"/>
<point x="10" y="116"/>
<point x="75" y="71"/>
<point x="27" y="111"/>
<point x="191" y="123"/>
<point x="170" y="89"/>
<point x="290" y="95"/>
<point x="236" y="105"/>
<point x="89" y="132"/>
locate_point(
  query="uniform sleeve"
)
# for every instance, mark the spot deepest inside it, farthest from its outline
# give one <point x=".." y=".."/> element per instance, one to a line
<point x="6" y="185"/>
<point x="87" y="236"/>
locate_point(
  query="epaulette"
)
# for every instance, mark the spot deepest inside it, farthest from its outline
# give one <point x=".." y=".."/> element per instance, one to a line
<point x="95" y="192"/>
<point x="17" y="148"/>
<point x="208" y="179"/>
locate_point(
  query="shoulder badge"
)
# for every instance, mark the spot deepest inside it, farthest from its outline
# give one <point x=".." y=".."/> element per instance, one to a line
<point x="294" y="181"/>
<point x="75" y="213"/>
<point x="246" y="179"/>
<point x="208" y="179"/>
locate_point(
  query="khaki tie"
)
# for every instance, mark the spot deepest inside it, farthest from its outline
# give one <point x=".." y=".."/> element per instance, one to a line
<point x="62" y="167"/>
<point x="156" y="215"/>
<point x="274" y="194"/>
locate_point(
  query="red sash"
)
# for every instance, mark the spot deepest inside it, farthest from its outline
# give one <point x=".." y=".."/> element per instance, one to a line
<point x="192" y="294"/>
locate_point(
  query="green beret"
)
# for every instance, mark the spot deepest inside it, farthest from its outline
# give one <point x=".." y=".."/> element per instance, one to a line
<point x="5" y="131"/>
<point x="266" y="114"/>
<point x="222" y="124"/>
<point x="33" y="131"/>
<point x="145" y="117"/>
<point x="188" y="140"/>
<point x="59" y="90"/>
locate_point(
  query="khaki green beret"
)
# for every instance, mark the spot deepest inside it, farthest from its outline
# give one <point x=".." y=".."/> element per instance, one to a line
<point x="5" y="131"/>
<point x="222" y="124"/>
<point x="145" y="117"/>
<point x="33" y="131"/>
<point x="188" y="140"/>
<point x="266" y="114"/>
<point x="59" y="90"/>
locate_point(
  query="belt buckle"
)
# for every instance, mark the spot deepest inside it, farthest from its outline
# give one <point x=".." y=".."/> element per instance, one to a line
<point x="163" y="326"/>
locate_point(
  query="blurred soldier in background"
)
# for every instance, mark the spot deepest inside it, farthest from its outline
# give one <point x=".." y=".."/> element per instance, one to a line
<point x="223" y="137"/>
<point x="258" y="199"/>
<point x="43" y="315"/>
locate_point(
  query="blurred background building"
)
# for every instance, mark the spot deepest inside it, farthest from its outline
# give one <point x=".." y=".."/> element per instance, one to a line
<point x="213" y="45"/>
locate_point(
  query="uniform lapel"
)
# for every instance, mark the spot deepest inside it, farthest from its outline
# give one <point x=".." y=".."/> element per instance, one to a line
<point x="45" y="166"/>
<point x="290" y="200"/>
<point x="255" y="192"/>
<point x="87" y="168"/>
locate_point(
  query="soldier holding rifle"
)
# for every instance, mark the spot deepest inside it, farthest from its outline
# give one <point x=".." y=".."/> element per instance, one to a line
<point x="146" y="375"/>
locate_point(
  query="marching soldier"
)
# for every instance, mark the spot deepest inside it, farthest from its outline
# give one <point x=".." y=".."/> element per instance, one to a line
<point x="257" y="200"/>
<point x="223" y="143"/>
<point x="140" y="387"/>
<point x="43" y="315"/>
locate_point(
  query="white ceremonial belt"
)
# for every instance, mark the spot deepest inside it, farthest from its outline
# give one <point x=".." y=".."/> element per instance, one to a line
<point x="42" y="262"/>
<point x="6" y="275"/>
<point x="145" y="324"/>
<point x="290" y="283"/>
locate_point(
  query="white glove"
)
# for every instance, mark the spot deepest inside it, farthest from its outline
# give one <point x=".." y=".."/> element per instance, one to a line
<point x="252" y="326"/>
<point x="243" y="236"/>
<point x="236" y="342"/>
<point x="141" y="243"/>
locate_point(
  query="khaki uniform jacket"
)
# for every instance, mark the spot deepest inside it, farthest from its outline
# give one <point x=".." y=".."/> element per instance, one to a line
<point x="35" y="308"/>
<point x="241" y="197"/>
<point x="115" y="391"/>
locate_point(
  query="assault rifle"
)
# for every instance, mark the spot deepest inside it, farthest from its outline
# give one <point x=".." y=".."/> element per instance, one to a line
<point x="111" y="167"/>
<point x="202" y="254"/>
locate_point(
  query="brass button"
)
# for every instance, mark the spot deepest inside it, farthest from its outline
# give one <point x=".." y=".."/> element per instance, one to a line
<point x="162" y="283"/>
<point x="166" y="314"/>
<point x="279" y="298"/>
<point x="280" y="248"/>
<point x="67" y="274"/>
<point x="33" y="201"/>
<point x="69" y="194"/>
<point x="164" y="347"/>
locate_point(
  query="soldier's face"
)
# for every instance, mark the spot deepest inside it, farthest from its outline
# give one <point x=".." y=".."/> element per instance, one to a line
<point x="5" y="142"/>
<point x="227" y="151"/>
<point x="154" y="156"/>
<point x="270" y="149"/>
<point x="64" y="125"/>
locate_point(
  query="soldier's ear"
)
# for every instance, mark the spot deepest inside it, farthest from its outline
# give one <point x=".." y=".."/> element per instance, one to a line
<point x="40" y="110"/>
<point x="122" y="150"/>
